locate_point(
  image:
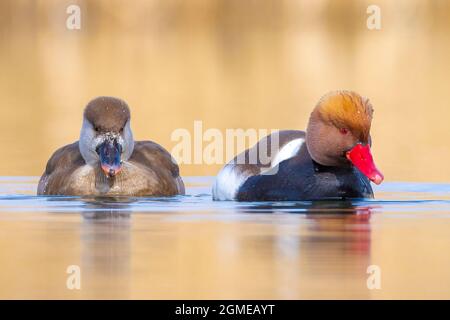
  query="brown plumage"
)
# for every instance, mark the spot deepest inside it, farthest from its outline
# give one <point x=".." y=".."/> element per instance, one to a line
<point x="347" y="109"/>
<point x="108" y="113"/>
<point x="149" y="170"/>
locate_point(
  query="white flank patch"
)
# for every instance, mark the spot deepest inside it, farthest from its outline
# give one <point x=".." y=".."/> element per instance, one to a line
<point x="227" y="183"/>
<point x="288" y="151"/>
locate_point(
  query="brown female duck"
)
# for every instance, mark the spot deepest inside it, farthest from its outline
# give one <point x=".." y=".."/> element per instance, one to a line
<point x="106" y="161"/>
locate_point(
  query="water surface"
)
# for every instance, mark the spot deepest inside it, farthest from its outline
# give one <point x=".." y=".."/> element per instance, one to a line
<point x="192" y="247"/>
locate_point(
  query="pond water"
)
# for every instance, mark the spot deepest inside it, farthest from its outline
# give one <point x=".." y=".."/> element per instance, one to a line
<point x="192" y="247"/>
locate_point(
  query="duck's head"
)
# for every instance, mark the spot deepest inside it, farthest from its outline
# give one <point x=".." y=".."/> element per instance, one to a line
<point x="338" y="133"/>
<point x="106" y="138"/>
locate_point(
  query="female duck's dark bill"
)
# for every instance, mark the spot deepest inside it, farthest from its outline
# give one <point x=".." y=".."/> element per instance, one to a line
<point x="362" y="159"/>
<point x="110" y="157"/>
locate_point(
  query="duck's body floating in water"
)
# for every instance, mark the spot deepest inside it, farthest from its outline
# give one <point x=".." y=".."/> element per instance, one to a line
<point x="332" y="159"/>
<point x="106" y="161"/>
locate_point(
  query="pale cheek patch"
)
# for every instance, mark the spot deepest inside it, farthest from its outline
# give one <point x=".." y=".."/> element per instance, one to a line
<point x="127" y="142"/>
<point x="288" y="151"/>
<point x="227" y="183"/>
<point x="87" y="143"/>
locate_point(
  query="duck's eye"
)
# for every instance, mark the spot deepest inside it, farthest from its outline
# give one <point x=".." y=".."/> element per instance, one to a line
<point x="343" y="130"/>
<point x="121" y="130"/>
<point x="97" y="129"/>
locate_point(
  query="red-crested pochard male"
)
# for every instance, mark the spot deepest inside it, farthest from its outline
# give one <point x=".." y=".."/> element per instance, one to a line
<point x="331" y="160"/>
<point x="106" y="161"/>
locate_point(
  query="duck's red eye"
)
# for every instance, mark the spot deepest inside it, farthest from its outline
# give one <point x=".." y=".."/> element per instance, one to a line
<point x="343" y="130"/>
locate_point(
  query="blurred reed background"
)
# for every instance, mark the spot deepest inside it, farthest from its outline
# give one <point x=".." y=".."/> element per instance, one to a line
<point x="230" y="63"/>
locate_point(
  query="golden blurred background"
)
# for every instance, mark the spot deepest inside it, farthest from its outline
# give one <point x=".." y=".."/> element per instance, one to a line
<point x="230" y="63"/>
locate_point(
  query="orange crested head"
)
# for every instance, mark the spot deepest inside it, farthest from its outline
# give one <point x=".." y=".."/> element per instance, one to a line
<point x="347" y="110"/>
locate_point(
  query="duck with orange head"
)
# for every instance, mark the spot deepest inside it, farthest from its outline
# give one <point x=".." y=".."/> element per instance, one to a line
<point x="331" y="160"/>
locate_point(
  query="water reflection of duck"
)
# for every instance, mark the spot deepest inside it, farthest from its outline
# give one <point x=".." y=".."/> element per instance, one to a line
<point x="311" y="208"/>
<point x="105" y="247"/>
<point x="332" y="159"/>
<point x="106" y="208"/>
<point x="314" y="249"/>
<point x="328" y="216"/>
<point x="107" y="161"/>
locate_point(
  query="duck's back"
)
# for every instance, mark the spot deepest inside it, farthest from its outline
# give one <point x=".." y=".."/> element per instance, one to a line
<point x="59" y="170"/>
<point x="159" y="168"/>
<point x="261" y="159"/>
